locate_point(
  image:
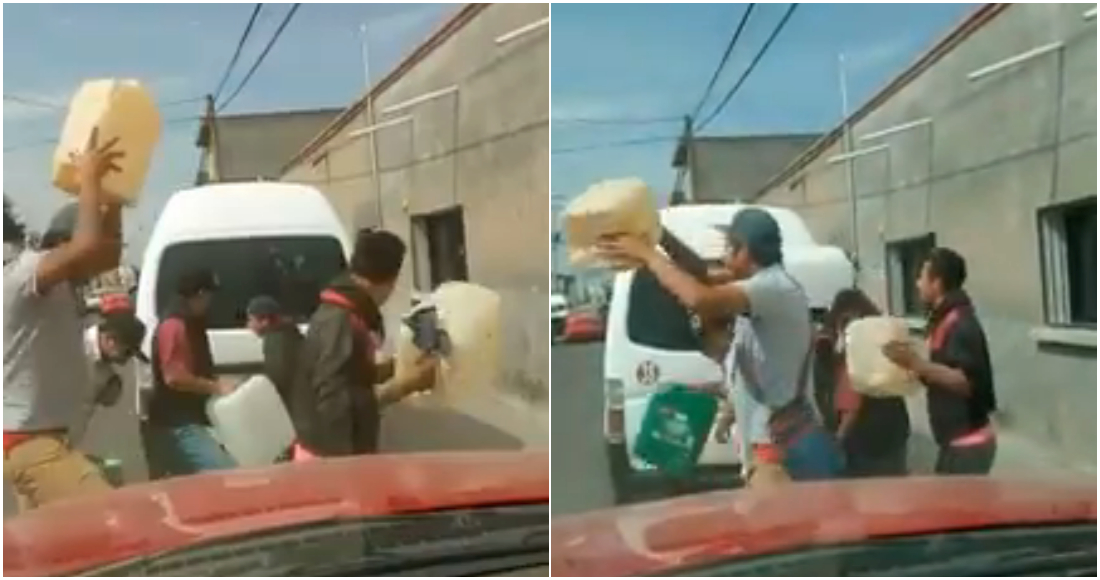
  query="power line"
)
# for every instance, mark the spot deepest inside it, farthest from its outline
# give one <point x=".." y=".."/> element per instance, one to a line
<point x="263" y="55"/>
<point x="752" y="65"/>
<point x="616" y="144"/>
<point x="54" y="140"/>
<point x="725" y="58"/>
<point x="618" y="121"/>
<point x="237" y="51"/>
<point x="32" y="102"/>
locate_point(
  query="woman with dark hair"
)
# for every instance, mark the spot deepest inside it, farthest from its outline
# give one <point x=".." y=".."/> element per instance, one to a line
<point x="874" y="432"/>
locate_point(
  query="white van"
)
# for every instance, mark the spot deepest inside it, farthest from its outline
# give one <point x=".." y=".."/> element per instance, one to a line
<point x="279" y="239"/>
<point x="652" y="339"/>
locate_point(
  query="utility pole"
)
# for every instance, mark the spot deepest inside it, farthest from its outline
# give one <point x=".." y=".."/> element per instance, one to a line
<point x="372" y="142"/>
<point x="681" y="161"/>
<point x="850" y="168"/>
<point x="211" y="140"/>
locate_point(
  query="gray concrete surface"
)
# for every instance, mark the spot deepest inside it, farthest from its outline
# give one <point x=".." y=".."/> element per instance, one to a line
<point x="997" y="152"/>
<point x="578" y="465"/>
<point x="736" y="168"/>
<point x="492" y="422"/>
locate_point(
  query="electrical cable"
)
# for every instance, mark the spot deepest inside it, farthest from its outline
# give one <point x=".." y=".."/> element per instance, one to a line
<point x="54" y="140"/>
<point x="237" y="52"/>
<point x="752" y="65"/>
<point x="616" y="144"/>
<point x="263" y="55"/>
<point x="619" y="121"/>
<point x="725" y="59"/>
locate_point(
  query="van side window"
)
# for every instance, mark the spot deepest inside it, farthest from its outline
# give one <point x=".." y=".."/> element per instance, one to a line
<point x="656" y="319"/>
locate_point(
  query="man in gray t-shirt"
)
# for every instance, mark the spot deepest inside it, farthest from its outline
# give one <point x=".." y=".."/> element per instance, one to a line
<point x="773" y="340"/>
<point x="768" y="357"/>
<point x="46" y="377"/>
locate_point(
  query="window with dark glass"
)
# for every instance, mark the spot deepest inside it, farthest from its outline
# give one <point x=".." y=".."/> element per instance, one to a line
<point x="291" y="269"/>
<point x="1068" y="248"/>
<point x="905" y="258"/>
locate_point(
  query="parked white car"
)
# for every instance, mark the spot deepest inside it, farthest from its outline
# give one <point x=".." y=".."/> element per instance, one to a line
<point x="559" y="311"/>
<point x="652" y="338"/>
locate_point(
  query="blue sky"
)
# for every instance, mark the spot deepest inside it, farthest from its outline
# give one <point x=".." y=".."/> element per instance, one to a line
<point x="654" y="60"/>
<point x="181" y="51"/>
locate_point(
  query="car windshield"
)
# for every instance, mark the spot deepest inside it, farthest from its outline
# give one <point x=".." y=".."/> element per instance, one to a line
<point x="291" y="269"/>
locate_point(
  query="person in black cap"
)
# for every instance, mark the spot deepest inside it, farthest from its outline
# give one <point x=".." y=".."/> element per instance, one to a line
<point x="45" y="375"/>
<point x="282" y="342"/>
<point x="768" y="359"/>
<point x="176" y="432"/>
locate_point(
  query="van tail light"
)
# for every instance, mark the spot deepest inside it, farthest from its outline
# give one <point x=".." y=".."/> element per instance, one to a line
<point x="614" y="422"/>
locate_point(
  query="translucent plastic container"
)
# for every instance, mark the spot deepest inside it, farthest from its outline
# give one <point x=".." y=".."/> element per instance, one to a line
<point x="119" y="108"/>
<point x="471" y="317"/>
<point x="252" y="422"/>
<point x="871" y="373"/>
<point x="621" y="206"/>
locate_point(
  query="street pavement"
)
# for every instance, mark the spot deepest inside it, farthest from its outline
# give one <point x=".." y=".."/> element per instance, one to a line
<point x="579" y="471"/>
<point x="490" y="422"/>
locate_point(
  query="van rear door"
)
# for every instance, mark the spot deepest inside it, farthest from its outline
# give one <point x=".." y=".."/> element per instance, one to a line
<point x="652" y="340"/>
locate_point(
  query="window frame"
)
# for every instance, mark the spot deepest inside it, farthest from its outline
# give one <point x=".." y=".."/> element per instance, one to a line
<point x="1054" y="267"/>
<point x="168" y="270"/>
<point x="895" y="268"/>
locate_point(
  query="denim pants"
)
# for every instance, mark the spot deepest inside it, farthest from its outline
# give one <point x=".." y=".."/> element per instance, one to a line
<point x="182" y="450"/>
<point x="813" y="455"/>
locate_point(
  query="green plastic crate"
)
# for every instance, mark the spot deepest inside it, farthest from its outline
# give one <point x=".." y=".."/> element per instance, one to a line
<point x="675" y="429"/>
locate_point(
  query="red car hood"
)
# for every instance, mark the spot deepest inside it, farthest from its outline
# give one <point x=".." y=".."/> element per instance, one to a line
<point x="149" y="518"/>
<point x="658" y="537"/>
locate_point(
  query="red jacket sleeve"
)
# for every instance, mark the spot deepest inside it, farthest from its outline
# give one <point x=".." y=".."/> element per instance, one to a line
<point x="173" y="351"/>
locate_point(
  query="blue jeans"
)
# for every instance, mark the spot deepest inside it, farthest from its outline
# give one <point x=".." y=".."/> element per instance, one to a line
<point x="813" y="456"/>
<point x="182" y="450"/>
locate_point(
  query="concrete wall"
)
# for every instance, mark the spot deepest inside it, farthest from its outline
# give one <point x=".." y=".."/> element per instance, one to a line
<point x="256" y="145"/>
<point x="484" y="148"/>
<point x="998" y="150"/>
<point x="725" y="169"/>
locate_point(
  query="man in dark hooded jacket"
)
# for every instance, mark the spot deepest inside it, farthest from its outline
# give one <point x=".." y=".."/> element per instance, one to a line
<point x="335" y="404"/>
<point x="958" y="372"/>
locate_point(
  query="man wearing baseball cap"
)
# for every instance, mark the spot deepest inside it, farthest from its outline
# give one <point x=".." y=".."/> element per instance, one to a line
<point x="111" y="347"/>
<point x="769" y="357"/>
<point x="45" y="375"/>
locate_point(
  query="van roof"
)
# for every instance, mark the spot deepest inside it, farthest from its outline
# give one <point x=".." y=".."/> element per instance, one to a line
<point x="252" y="208"/>
<point x="696" y="226"/>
